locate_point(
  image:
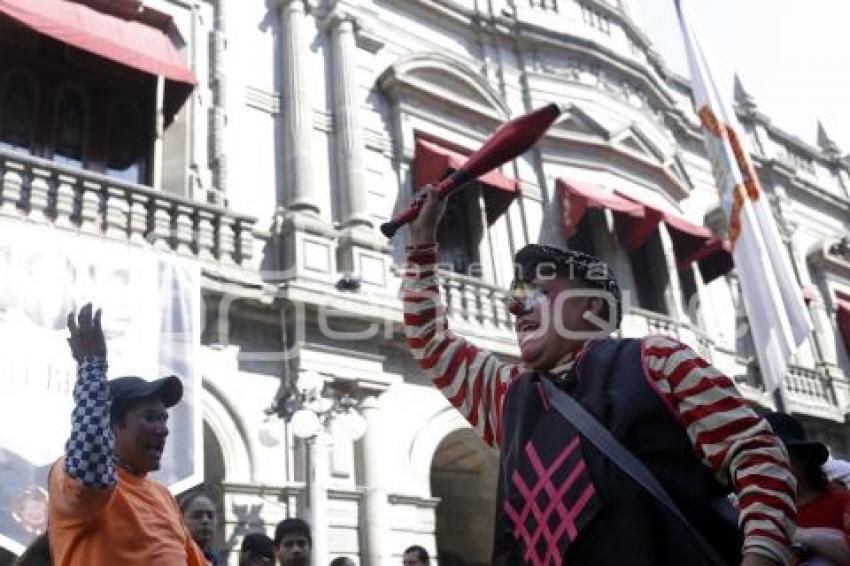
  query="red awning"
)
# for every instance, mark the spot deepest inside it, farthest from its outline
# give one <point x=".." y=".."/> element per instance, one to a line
<point x="575" y="199"/>
<point x="691" y="242"/>
<point x="129" y="43"/>
<point x="637" y="221"/>
<point x="434" y="160"/>
<point x="842" y="316"/>
<point x="694" y="243"/>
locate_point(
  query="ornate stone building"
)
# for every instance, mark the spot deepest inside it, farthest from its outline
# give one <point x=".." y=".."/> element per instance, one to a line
<point x="268" y="140"/>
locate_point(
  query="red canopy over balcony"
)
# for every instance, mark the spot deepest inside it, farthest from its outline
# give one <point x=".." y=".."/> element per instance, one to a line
<point x="637" y="221"/>
<point x="575" y="199"/>
<point x="129" y="43"/>
<point x="434" y="160"/>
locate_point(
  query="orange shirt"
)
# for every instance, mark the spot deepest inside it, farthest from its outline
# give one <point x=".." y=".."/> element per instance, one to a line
<point x="137" y="523"/>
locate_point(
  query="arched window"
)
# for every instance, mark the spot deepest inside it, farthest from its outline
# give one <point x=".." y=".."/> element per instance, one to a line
<point x="18" y="111"/>
<point x="127" y="143"/>
<point x="70" y="133"/>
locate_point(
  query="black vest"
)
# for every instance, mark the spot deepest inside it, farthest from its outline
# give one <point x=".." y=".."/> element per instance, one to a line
<point x="560" y="501"/>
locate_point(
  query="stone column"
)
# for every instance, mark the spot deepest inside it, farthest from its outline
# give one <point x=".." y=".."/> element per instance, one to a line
<point x="823" y="346"/>
<point x="674" y="286"/>
<point x="349" y="137"/>
<point x="296" y="110"/>
<point x="159" y="129"/>
<point x="218" y="83"/>
<point x="375" y="495"/>
<point x="318" y="497"/>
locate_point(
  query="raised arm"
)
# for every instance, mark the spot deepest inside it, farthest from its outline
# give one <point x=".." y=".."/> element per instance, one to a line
<point x="733" y="441"/>
<point x="89" y="472"/>
<point x="472" y="379"/>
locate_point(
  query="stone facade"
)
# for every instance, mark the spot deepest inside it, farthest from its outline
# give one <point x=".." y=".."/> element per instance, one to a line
<point x="299" y="140"/>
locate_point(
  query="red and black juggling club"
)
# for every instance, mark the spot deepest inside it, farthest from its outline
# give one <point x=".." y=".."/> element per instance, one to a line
<point x="512" y="139"/>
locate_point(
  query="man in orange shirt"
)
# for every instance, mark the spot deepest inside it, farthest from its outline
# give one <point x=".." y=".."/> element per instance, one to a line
<point x="103" y="509"/>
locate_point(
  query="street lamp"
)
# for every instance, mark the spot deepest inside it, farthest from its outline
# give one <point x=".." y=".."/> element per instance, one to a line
<point x="310" y="407"/>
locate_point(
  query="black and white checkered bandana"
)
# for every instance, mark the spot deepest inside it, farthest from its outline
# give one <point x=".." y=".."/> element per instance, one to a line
<point x="535" y="260"/>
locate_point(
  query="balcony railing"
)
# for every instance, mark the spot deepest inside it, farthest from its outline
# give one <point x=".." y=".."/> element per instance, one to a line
<point x="810" y="384"/>
<point x="42" y="191"/>
<point x="640" y="322"/>
<point x="473" y="301"/>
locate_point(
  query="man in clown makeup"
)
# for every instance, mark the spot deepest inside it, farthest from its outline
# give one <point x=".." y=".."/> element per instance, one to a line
<point x="560" y="500"/>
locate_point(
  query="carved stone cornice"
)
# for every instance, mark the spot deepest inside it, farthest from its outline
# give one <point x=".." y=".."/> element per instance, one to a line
<point x="787" y="175"/>
<point x="832" y="257"/>
<point x="841" y="249"/>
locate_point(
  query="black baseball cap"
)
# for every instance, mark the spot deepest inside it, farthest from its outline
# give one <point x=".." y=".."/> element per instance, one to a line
<point x="790" y="431"/>
<point x="123" y="390"/>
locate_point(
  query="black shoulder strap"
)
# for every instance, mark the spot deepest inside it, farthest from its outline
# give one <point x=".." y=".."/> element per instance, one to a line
<point x="599" y="436"/>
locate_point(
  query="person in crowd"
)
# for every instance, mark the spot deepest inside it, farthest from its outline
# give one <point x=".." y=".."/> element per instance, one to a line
<point x="415" y="556"/>
<point x="293" y="542"/>
<point x="200" y="516"/>
<point x="257" y="550"/>
<point x="679" y="416"/>
<point x="838" y="471"/>
<point x="37" y="553"/>
<point x="103" y="508"/>
<point x="342" y="561"/>
<point x="823" y="508"/>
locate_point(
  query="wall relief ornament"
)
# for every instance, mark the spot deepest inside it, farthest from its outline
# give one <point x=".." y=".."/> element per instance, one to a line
<point x="612" y="83"/>
<point x="841" y="249"/>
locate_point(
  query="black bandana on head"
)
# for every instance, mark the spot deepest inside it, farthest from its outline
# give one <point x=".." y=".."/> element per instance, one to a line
<point x="535" y="260"/>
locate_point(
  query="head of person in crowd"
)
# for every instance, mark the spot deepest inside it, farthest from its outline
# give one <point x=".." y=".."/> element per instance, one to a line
<point x="257" y="550"/>
<point x="139" y="419"/>
<point x="415" y="556"/>
<point x="807" y="456"/>
<point x="838" y="471"/>
<point x="561" y="299"/>
<point x="342" y="561"/>
<point x="293" y="542"/>
<point x="200" y="517"/>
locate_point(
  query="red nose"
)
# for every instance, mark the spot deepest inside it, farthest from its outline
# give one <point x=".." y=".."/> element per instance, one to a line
<point x="518" y="308"/>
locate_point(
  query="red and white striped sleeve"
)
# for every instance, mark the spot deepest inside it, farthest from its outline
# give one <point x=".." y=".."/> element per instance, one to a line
<point x="732" y="440"/>
<point x="472" y="379"/>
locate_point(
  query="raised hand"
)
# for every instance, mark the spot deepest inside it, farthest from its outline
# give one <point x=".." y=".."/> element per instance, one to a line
<point x="423" y="230"/>
<point x="86" y="334"/>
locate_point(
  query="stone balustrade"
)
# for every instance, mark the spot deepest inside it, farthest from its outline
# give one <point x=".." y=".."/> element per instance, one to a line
<point x="476" y="304"/>
<point x="810" y="384"/>
<point x="473" y="301"/>
<point x="41" y="191"/>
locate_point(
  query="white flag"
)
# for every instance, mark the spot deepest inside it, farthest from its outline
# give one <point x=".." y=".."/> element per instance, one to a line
<point x="772" y="297"/>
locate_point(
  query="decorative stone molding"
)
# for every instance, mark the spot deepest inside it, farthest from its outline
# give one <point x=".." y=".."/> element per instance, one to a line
<point x="831" y="257"/>
<point x="263" y="100"/>
<point x="218" y="110"/>
<point x="841" y="249"/>
<point x="794" y="184"/>
<point x="441" y="77"/>
<point x="582" y="71"/>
